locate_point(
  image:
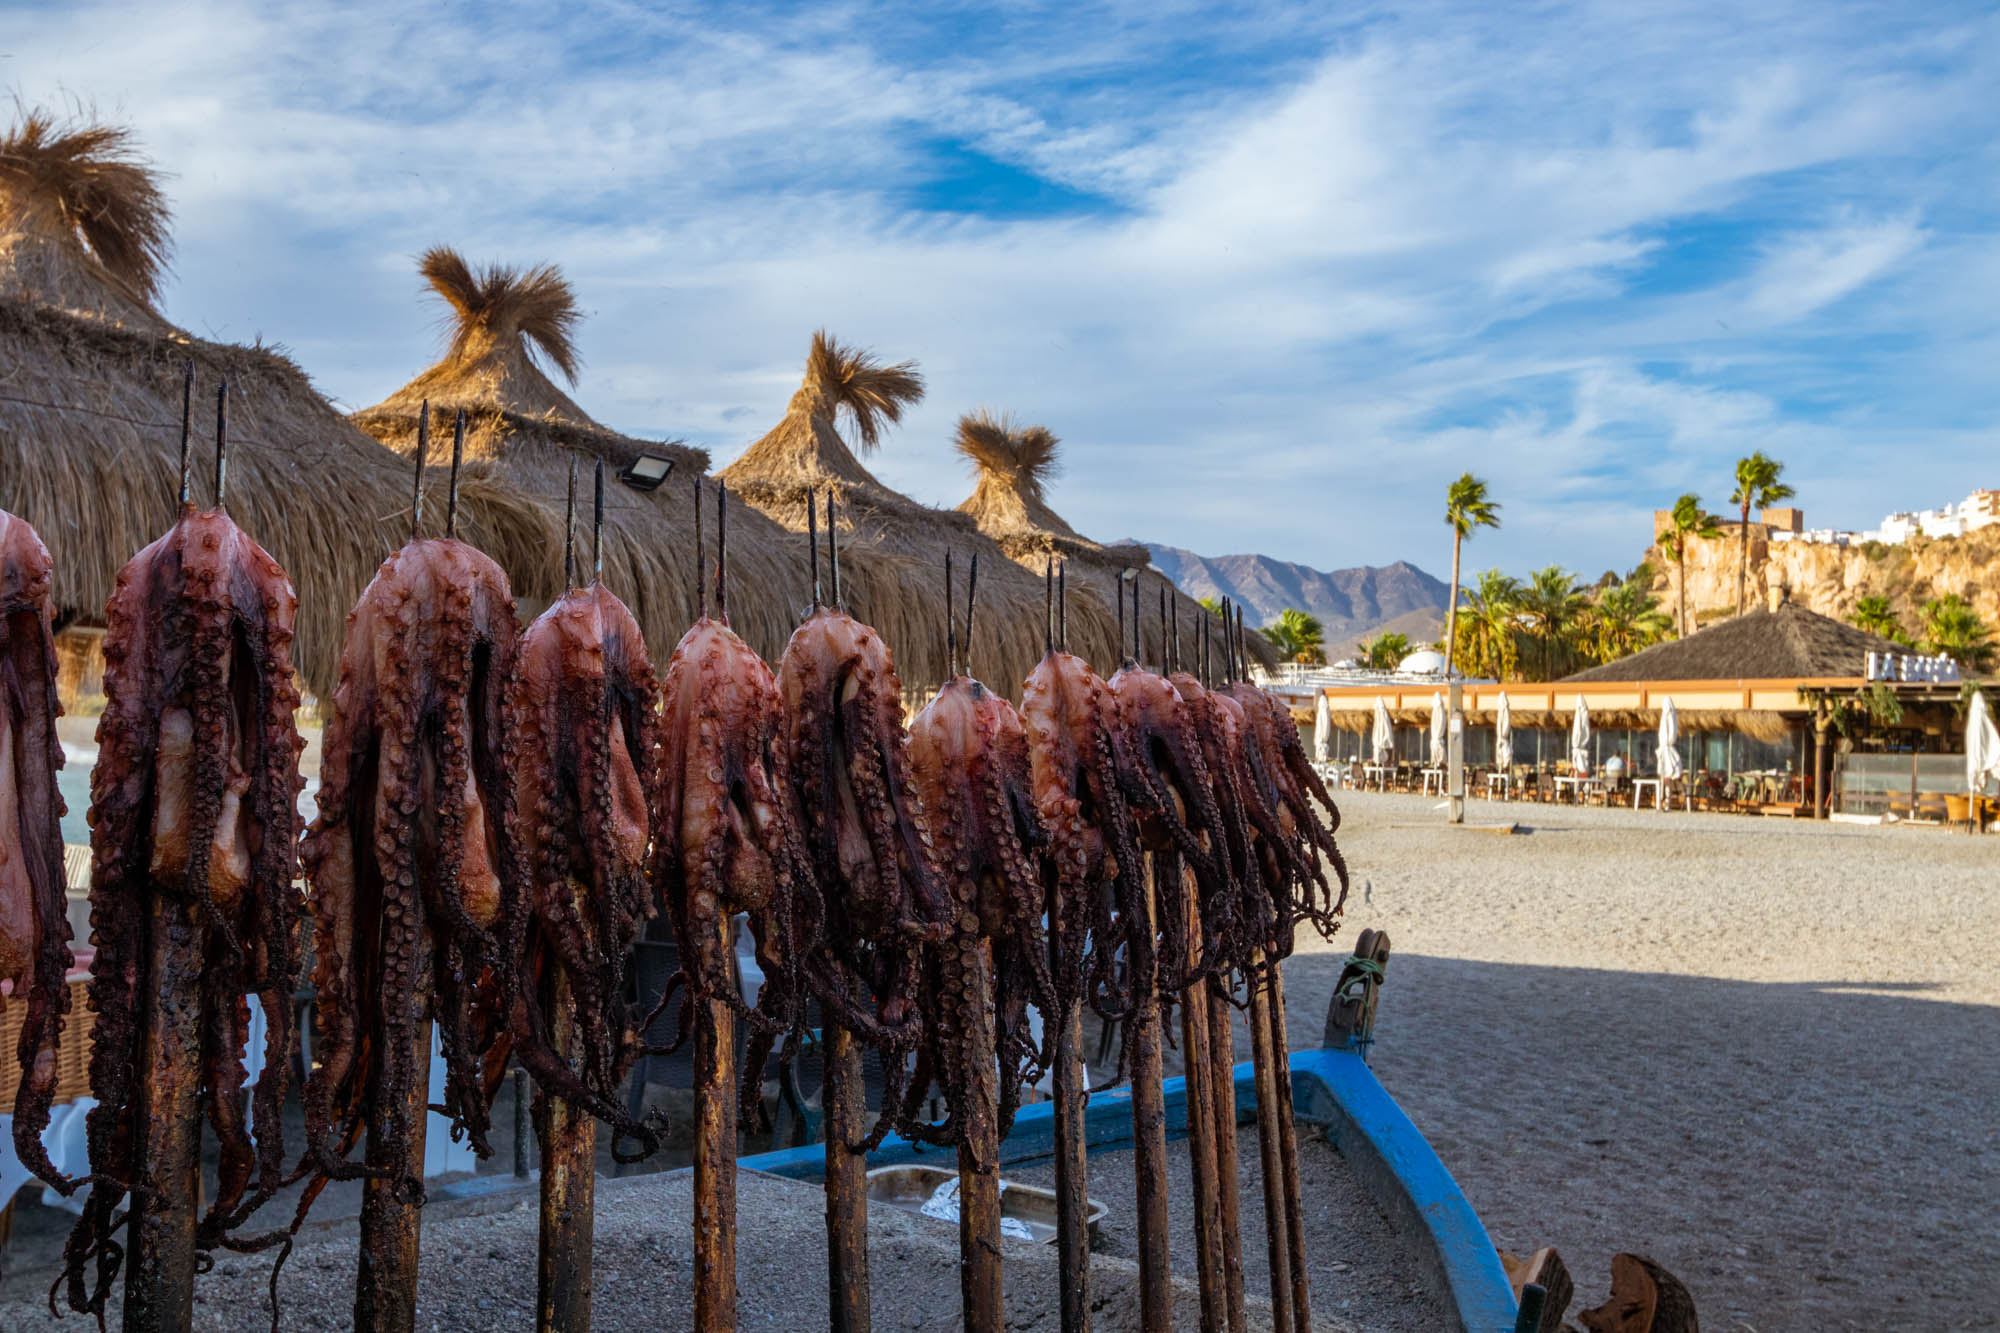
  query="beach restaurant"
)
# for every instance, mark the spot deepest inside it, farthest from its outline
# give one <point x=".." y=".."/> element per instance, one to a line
<point x="1760" y="703"/>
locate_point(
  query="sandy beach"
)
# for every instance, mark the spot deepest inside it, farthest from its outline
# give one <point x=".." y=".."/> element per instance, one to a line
<point x="1763" y="1052"/>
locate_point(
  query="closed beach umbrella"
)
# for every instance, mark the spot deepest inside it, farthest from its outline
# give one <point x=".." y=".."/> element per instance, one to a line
<point x="1579" y="739"/>
<point x="1437" y="730"/>
<point x="1322" y="732"/>
<point x="1503" y="736"/>
<point x="1982" y="746"/>
<point x="1670" y="734"/>
<point x="1385" y="734"/>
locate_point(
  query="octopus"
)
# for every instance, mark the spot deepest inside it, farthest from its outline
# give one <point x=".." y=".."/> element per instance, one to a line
<point x="194" y="803"/>
<point x="1296" y="845"/>
<point x="872" y="849"/>
<point x="1164" y="769"/>
<point x="727" y="839"/>
<point x="405" y="859"/>
<point x="969" y="758"/>
<point x="1071" y="718"/>
<point x="34" y="925"/>
<point x="582" y="731"/>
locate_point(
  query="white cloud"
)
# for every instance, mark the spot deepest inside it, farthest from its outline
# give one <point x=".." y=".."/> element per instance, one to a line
<point x="1356" y="253"/>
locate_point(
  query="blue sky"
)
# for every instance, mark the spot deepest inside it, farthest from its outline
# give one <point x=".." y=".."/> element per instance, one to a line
<point x="1274" y="278"/>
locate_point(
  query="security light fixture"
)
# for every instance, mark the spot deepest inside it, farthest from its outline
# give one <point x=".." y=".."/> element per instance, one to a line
<point x="646" y="472"/>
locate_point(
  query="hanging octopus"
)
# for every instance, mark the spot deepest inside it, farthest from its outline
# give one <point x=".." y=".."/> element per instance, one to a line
<point x="583" y="738"/>
<point x="1096" y="864"/>
<point x="405" y="856"/>
<point x="726" y="840"/>
<point x="34" y="922"/>
<point x="874" y="856"/>
<point x="969" y="759"/>
<point x="194" y="801"/>
<point x="1295" y="845"/>
<point x="1165" y="772"/>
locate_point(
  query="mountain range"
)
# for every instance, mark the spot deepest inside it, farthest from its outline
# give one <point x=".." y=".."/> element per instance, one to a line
<point x="1352" y="604"/>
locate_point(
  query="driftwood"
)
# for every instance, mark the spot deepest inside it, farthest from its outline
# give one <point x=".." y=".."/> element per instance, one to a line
<point x="1545" y="1269"/>
<point x="1645" y="1298"/>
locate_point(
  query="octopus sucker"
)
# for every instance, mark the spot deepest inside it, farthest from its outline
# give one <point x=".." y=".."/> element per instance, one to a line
<point x="582" y="743"/>
<point x="193" y="800"/>
<point x="34" y="923"/>
<point x="405" y="855"/>
<point x="873" y="852"/>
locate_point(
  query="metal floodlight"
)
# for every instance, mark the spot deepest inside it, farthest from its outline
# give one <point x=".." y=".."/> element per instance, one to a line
<point x="646" y="472"/>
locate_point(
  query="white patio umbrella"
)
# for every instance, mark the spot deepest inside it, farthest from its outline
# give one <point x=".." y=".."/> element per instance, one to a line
<point x="1579" y="740"/>
<point x="1503" y="736"/>
<point x="1670" y="734"/>
<point x="1384" y="740"/>
<point x="1437" y="730"/>
<point x="1322" y="732"/>
<point x="1982" y="746"/>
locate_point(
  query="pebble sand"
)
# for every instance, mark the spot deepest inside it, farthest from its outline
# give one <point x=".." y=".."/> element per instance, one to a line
<point x="1765" y="1052"/>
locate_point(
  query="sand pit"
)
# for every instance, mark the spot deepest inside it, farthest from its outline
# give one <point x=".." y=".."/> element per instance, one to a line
<point x="479" y="1263"/>
<point x="1762" y="1051"/>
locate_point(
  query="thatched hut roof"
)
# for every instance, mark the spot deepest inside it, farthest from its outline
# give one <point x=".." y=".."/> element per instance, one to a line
<point x="1788" y="642"/>
<point x="91" y="393"/>
<point x="806" y="453"/>
<point x="1013" y="464"/>
<point x="504" y="326"/>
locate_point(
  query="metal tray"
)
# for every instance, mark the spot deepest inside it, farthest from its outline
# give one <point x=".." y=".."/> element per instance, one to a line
<point x="1031" y="1207"/>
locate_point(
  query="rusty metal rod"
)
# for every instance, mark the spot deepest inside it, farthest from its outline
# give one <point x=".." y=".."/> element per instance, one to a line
<point x="159" y="1276"/>
<point x="385" y="1283"/>
<point x="1204" y="1124"/>
<point x="1288" y="1157"/>
<point x="715" y="1153"/>
<point x="1149" y="1118"/>
<point x="846" y="1183"/>
<point x="1222" y="1090"/>
<point x="569" y="1177"/>
<point x="979" y="1152"/>
<point x="1277" y="1240"/>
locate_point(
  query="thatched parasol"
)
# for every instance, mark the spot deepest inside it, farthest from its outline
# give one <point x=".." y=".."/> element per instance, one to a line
<point x="505" y="325"/>
<point x="805" y="452"/>
<point x="1014" y="464"/>
<point x="91" y="393"/>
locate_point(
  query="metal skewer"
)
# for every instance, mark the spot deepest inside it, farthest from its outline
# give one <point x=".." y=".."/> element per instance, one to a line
<point x="1069" y="1081"/>
<point x="417" y="472"/>
<point x="187" y="437"/>
<point x="451" y="491"/>
<point x="221" y="440"/>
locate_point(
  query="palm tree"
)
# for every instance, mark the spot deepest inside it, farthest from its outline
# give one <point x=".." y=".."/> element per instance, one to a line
<point x="1757" y="485"/>
<point x="1491" y="608"/>
<point x="1689" y="523"/>
<point x="1874" y="614"/>
<point x="1552" y="607"/>
<point x="1386" y="651"/>
<point x="1297" y="635"/>
<point x="1212" y="605"/>
<point x="1953" y="628"/>
<point x="1465" y="507"/>
<point x="1625" y="619"/>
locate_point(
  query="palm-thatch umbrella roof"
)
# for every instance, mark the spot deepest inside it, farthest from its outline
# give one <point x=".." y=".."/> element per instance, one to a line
<point x="91" y="397"/>
<point x="1785" y="642"/>
<point x="1013" y="464"/>
<point x="805" y="453"/>
<point x="508" y="329"/>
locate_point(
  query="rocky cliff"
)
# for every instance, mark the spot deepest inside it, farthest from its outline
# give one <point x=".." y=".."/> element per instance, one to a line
<point x="1831" y="579"/>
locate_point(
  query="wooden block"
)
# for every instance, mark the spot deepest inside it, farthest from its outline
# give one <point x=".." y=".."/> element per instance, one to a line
<point x="1645" y="1298"/>
<point x="1545" y="1268"/>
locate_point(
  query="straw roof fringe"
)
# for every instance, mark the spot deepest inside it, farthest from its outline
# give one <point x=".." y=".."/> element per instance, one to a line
<point x="83" y="225"/>
<point x="526" y="430"/>
<point x="91" y="418"/>
<point x="1013" y="463"/>
<point x="804" y="453"/>
<point x="1787" y="643"/>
